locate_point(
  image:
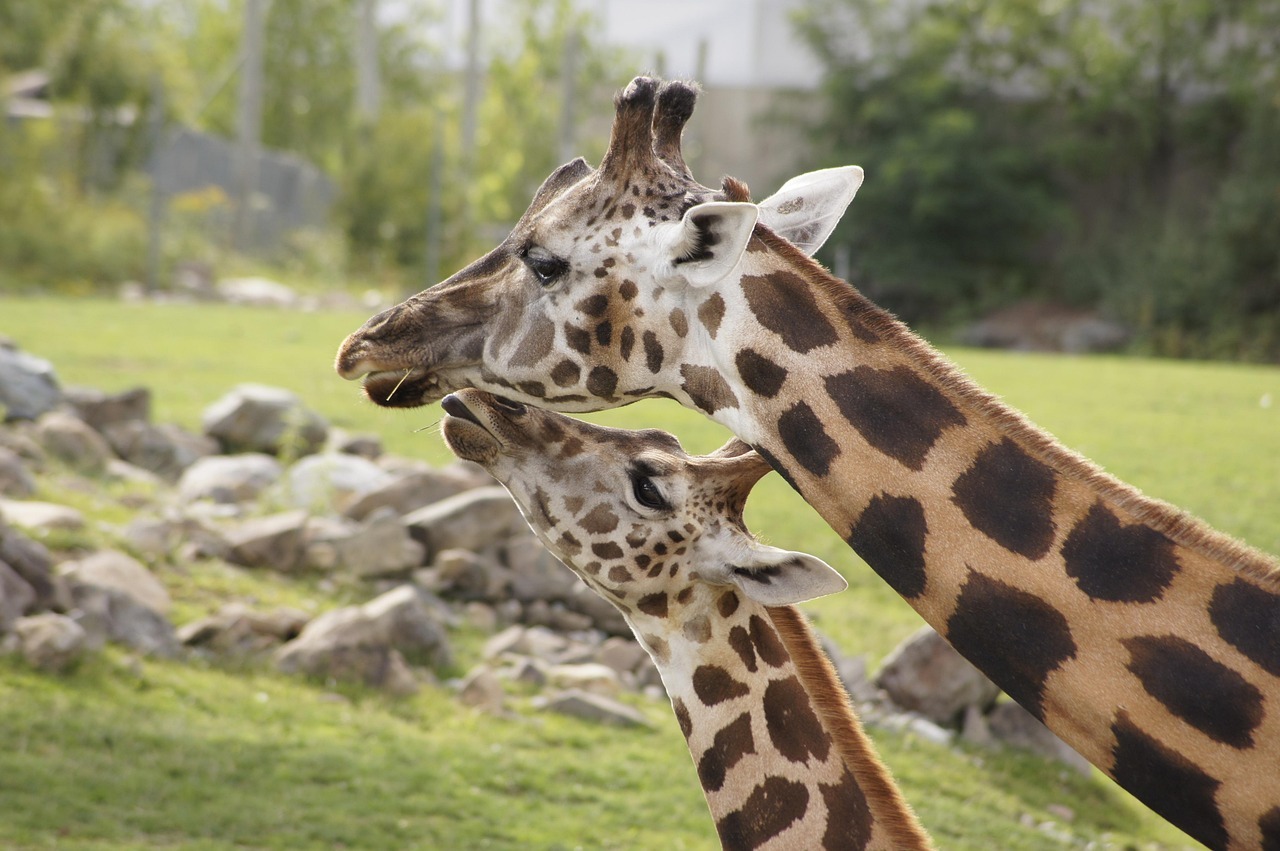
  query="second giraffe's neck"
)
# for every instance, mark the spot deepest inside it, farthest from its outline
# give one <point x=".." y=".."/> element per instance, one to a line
<point x="1126" y="626"/>
<point x="782" y="759"/>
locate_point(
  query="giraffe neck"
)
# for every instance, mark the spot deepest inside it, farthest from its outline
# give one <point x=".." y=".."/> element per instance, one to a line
<point x="1147" y="641"/>
<point x="782" y="759"/>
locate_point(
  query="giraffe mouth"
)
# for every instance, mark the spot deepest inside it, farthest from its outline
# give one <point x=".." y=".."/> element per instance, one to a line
<point x="466" y="434"/>
<point x="407" y="388"/>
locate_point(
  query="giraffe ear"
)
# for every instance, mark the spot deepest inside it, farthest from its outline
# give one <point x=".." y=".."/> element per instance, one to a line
<point x="710" y="240"/>
<point x="807" y="208"/>
<point x="777" y="577"/>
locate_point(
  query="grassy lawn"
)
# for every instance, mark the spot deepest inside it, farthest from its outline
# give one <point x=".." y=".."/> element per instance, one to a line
<point x="128" y="754"/>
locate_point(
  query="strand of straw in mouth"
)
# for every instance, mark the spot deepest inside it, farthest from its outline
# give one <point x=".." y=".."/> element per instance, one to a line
<point x="398" y="383"/>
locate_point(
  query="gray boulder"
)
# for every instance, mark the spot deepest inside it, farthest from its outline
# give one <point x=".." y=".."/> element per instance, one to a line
<point x="257" y="418"/>
<point x="236" y="630"/>
<point x="72" y="441"/>
<point x="28" y="385"/>
<point x="17" y="597"/>
<point x="471" y="520"/>
<point x="412" y="490"/>
<point x="117" y="599"/>
<point x="50" y="642"/>
<point x="256" y="292"/>
<point x="381" y="547"/>
<point x="592" y="707"/>
<point x="370" y="643"/>
<point x="15" y="479"/>
<point x="229" y="478"/>
<point x="329" y="480"/>
<point x="276" y="541"/>
<point x="31" y="560"/>
<point x="40" y="516"/>
<point x="925" y="674"/>
<point x="99" y="409"/>
<point x="164" y="449"/>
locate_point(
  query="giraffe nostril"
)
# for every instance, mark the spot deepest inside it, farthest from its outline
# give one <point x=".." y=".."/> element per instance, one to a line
<point x="508" y="405"/>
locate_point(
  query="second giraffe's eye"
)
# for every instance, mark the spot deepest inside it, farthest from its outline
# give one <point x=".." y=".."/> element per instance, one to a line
<point x="646" y="492"/>
<point x="546" y="267"/>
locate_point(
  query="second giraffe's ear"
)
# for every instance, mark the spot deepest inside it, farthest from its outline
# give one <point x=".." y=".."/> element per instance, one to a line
<point x="808" y="207"/>
<point x="777" y="577"/>
<point x="709" y="240"/>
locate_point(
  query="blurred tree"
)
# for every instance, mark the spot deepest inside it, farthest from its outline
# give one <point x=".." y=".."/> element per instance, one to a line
<point x="1100" y="153"/>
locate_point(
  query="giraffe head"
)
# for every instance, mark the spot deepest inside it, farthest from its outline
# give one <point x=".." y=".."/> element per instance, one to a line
<point x="657" y="532"/>
<point x="604" y="288"/>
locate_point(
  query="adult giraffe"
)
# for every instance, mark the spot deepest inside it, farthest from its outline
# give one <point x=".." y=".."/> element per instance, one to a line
<point x="1146" y="640"/>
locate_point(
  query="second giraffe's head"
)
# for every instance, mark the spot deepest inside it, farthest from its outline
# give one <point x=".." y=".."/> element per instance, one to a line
<point x="649" y="527"/>
<point x="606" y="290"/>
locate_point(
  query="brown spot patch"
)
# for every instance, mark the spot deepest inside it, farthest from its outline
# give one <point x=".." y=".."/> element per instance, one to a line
<point x="783" y="304"/>
<point x="653" y="353"/>
<point x="626" y="342"/>
<point x="566" y="373"/>
<point x="793" y="727"/>
<point x="895" y="410"/>
<point x="679" y="322"/>
<point x="773" y="806"/>
<point x="1127" y="564"/>
<point x="654" y="605"/>
<point x="849" y="817"/>
<point x="890" y="536"/>
<point x="761" y="375"/>
<point x="536" y="343"/>
<point x="710" y="314"/>
<point x="767" y="643"/>
<point x="607" y="550"/>
<point x="707" y="388"/>
<point x="579" y="339"/>
<point x="806" y="439"/>
<point x="601" y="382"/>
<point x="740" y="641"/>
<point x="1008" y="496"/>
<point x="713" y="684"/>
<point x="599" y="520"/>
<point x="727" y="749"/>
<point x="697" y="630"/>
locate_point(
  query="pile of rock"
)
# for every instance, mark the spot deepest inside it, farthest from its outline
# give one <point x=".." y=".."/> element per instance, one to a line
<point x="268" y="485"/>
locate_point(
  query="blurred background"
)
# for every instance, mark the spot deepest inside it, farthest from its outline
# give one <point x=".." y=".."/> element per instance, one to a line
<point x="1061" y="174"/>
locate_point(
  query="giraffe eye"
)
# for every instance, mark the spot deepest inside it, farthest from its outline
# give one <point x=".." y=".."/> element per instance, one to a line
<point x="546" y="267"/>
<point x="647" y="493"/>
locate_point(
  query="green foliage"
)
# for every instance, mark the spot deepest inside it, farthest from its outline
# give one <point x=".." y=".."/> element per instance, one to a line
<point x="1103" y="155"/>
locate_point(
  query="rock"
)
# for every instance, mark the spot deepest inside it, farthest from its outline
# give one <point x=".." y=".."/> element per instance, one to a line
<point x="99" y="409"/>
<point x="40" y="516"/>
<point x="72" y="441"/>
<point x="379" y="548"/>
<point x="50" y="642"/>
<point x="925" y="674"/>
<point x="555" y="616"/>
<point x="364" y="445"/>
<point x="625" y="656"/>
<point x="256" y="292"/>
<point x="31" y="560"/>
<point x="109" y="614"/>
<point x="15" y="479"/>
<point x="471" y="520"/>
<point x="237" y="631"/>
<point x="1046" y="327"/>
<point x="480" y="616"/>
<point x="166" y="450"/>
<point x="276" y="541"/>
<point x="592" y="707"/>
<point x="229" y="478"/>
<point x="118" y="571"/>
<point x="17" y="597"/>
<point x="370" y="643"/>
<point x="256" y="418"/>
<point x="852" y="671"/>
<point x="603" y="614"/>
<point x="536" y="574"/>
<point x="122" y="472"/>
<point x="974" y="728"/>
<point x="1012" y="725"/>
<point x="162" y="537"/>
<point x="482" y="689"/>
<point x="464" y="575"/>
<point x="537" y="642"/>
<point x="586" y="676"/>
<point x="410" y="491"/>
<point x="28" y="385"/>
<point x="329" y="479"/>
<point x="19" y="438"/>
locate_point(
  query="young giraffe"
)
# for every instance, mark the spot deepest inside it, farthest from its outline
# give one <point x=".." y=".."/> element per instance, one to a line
<point x="781" y="757"/>
<point x="1146" y="640"/>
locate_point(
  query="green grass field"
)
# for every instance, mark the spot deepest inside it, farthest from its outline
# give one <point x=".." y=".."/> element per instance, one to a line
<point x="129" y="754"/>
